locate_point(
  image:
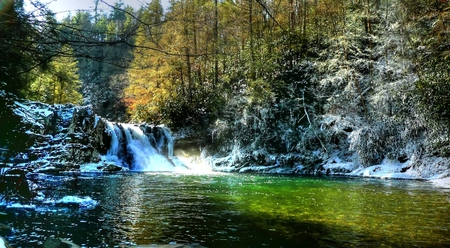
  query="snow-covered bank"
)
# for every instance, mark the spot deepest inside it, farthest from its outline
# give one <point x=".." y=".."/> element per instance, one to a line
<point x="64" y="138"/>
<point x="443" y="182"/>
<point x="431" y="168"/>
<point x="435" y="172"/>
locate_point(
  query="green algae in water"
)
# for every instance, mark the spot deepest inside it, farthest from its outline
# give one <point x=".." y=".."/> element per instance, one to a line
<point x="242" y="210"/>
<point x="362" y="212"/>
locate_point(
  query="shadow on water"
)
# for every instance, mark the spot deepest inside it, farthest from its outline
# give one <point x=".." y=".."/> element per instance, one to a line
<point x="269" y="229"/>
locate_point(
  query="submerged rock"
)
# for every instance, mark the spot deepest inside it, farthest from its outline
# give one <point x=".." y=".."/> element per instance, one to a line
<point x="171" y="245"/>
<point x="4" y="228"/>
<point x="59" y="243"/>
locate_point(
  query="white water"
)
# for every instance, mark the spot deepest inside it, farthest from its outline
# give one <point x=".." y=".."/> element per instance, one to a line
<point x="144" y="156"/>
<point x="169" y="138"/>
<point x="116" y="137"/>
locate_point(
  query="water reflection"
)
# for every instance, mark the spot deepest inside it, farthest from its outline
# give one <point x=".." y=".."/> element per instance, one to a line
<point x="238" y="211"/>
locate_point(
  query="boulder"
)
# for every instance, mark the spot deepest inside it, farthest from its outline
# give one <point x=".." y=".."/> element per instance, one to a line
<point x="109" y="167"/>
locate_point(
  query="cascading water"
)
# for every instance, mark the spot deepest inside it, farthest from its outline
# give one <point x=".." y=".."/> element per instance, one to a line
<point x="141" y="148"/>
<point x="116" y="138"/>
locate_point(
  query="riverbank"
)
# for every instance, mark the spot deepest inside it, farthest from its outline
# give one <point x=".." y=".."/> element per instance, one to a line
<point x="60" y="138"/>
<point x="430" y="168"/>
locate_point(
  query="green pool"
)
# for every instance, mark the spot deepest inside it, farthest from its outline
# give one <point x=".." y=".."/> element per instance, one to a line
<point x="235" y="210"/>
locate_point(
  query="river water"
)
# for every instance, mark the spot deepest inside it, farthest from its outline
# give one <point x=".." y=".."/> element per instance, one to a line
<point x="233" y="210"/>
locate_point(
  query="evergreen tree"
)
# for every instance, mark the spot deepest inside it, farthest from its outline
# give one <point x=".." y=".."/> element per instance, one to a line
<point x="102" y="46"/>
<point x="59" y="82"/>
<point x="21" y="45"/>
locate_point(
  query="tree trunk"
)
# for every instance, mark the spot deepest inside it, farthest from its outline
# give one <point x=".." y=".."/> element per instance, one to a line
<point x="252" y="51"/>
<point x="304" y="18"/>
<point x="216" y="44"/>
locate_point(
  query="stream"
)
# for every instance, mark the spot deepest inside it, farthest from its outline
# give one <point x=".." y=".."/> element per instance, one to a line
<point x="231" y="210"/>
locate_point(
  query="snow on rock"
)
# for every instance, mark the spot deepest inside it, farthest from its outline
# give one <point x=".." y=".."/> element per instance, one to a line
<point x="339" y="167"/>
<point x="90" y="167"/>
<point x="47" y="168"/>
<point x="391" y="169"/>
<point x="2" y="243"/>
<point x="443" y="182"/>
<point x="258" y="169"/>
<point x="56" y="137"/>
<point x="20" y="206"/>
<point x="27" y="116"/>
<point x="84" y="202"/>
<point x="103" y="166"/>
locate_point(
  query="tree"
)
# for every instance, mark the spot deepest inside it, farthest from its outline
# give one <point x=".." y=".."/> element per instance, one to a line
<point x="173" y="72"/>
<point x="58" y="83"/>
<point x="22" y="44"/>
<point x="102" y="46"/>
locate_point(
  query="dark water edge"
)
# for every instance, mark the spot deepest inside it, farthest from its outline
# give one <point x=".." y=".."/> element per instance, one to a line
<point x="233" y="210"/>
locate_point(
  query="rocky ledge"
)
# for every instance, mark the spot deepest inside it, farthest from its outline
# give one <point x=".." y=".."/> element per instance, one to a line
<point x="40" y="137"/>
<point x="51" y="137"/>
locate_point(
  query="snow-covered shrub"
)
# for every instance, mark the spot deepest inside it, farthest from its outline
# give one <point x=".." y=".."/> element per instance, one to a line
<point x="372" y="143"/>
<point x="280" y="123"/>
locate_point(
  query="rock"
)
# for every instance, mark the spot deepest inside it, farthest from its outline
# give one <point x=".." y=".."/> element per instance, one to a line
<point x="109" y="167"/>
<point x="58" y="138"/>
<point x="5" y="230"/>
<point x="171" y="245"/>
<point x="4" y="227"/>
<point x="59" y="243"/>
<point x="39" y="134"/>
<point x="16" y="172"/>
<point x="15" y="183"/>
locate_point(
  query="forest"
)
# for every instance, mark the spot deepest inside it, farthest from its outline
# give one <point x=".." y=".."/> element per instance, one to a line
<point x="363" y="80"/>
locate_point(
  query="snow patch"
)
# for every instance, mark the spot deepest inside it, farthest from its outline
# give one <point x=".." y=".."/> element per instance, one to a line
<point x="91" y="167"/>
<point x="340" y="167"/>
<point x="86" y="202"/>
<point x="388" y="169"/>
<point x="2" y="243"/>
<point x="103" y="165"/>
<point x="443" y="182"/>
<point x="257" y="168"/>
<point x="20" y="206"/>
<point x="48" y="168"/>
<point x="97" y="118"/>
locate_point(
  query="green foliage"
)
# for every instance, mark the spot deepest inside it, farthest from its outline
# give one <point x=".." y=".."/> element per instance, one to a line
<point x="23" y="45"/>
<point x="58" y="83"/>
<point x="434" y="88"/>
<point x="102" y="45"/>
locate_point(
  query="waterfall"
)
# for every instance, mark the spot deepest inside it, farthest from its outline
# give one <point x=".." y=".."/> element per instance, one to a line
<point x="169" y="138"/>
<point x="141" y="148"/>
<point x="116" y="138"/>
